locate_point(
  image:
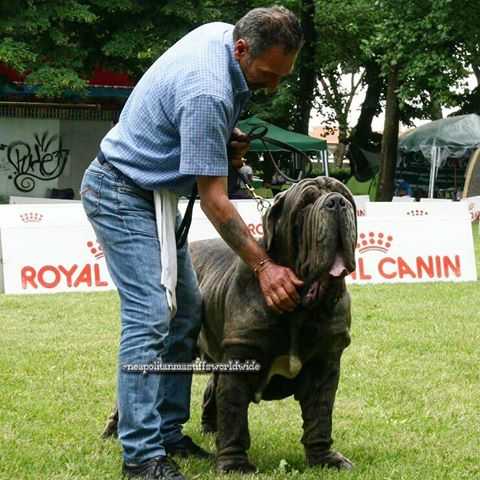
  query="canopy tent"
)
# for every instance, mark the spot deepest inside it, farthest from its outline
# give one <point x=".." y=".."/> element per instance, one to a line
<point x="297" y="140"/>
<point x="437" y="141"/>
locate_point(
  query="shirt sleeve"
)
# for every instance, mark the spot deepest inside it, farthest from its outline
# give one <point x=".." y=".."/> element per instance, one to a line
<point x="204" y="133"/>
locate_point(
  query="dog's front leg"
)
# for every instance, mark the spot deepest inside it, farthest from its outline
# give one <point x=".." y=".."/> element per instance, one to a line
<point x="316" y="393"/>
<point x="234" y="392"/>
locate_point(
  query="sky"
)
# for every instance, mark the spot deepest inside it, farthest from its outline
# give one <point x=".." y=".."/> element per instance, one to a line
<point x="377" y="125"/>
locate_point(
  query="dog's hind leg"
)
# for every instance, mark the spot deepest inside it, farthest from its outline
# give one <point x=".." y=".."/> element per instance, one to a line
<point x="209" y="407"/>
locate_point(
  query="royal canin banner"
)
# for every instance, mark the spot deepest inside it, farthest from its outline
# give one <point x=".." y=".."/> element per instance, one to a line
<point x="52" y="248"/>
<point x="42" y="215"/>
<point x="425" y="210"/>
<point x="361" y="202"/>
<point x="52" y="259"/>
<point x="414" y="249"/>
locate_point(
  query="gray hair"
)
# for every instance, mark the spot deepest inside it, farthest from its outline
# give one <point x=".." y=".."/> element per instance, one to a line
<point x="264" y="28"/>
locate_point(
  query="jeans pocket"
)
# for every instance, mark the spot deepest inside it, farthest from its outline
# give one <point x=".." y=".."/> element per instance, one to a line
<point x="90" y="192"/>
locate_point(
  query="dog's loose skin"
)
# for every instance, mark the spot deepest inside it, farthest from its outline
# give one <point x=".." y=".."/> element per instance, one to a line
<point x="310" y="228"/>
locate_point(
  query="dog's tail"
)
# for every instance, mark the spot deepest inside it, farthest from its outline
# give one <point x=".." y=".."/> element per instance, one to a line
<point x="110" y="429"/>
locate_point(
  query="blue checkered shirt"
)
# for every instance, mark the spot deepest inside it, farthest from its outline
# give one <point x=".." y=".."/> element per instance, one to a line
<point x="179" y="117"/>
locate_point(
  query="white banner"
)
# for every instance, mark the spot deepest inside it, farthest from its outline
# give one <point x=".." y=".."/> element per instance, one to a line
<point x="418" y="209"/>
<point x="52" y="248"/>
<point x="52" y="259"/>
<point x="361" y="202"/>
<point x="414" y="249"/>
<point x="44" y="215"/>
<point x="405" y="198"/>
<point x="202" y="229"/>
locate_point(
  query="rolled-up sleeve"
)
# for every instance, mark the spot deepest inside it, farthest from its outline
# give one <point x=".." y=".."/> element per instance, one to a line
<point x="203" y="123"/>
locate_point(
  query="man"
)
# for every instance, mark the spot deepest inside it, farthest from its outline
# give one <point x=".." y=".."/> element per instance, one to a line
<point x="236" y="180"/>
<point x="174" y="131"/>
<point x="246" y="172"/>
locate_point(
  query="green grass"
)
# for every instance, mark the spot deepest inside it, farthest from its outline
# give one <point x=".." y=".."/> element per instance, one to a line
<point x="408" y="406"/>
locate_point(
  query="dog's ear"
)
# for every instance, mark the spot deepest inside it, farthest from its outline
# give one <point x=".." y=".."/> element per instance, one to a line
<point x="270" y="219"/>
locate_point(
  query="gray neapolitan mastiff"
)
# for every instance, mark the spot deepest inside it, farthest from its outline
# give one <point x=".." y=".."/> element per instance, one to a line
<point x="310" y="228"/>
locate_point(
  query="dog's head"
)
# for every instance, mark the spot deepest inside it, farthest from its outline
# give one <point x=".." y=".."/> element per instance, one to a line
<point x="312" y="228"/>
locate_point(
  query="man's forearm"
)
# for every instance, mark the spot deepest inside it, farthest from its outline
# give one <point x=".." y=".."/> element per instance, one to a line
<point x="233" y="230"/>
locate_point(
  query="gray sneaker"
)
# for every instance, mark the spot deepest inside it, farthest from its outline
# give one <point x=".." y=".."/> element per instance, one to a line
<point x="159" y="468"/>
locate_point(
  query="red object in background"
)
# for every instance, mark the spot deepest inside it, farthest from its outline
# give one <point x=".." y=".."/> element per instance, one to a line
<point x="108" y="78"/>
<point x="99" y="77"/>
<point x="11" y="74"/>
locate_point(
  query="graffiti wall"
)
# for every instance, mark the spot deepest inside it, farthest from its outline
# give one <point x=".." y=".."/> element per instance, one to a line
<point x="38" y="155"/>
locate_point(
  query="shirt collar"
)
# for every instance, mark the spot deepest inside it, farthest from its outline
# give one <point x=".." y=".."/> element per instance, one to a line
<point x="239" y="83"/>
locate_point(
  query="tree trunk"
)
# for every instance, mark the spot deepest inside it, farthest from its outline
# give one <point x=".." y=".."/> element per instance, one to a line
<point x="390" y="140"/>
<point x="363" y="130"/>
<point x="476" y="71"/>
<point x="339" y="154"/>
<point x="436" y="110"/>
<point x="307" y="74"/>
<point x="342" y="141"/>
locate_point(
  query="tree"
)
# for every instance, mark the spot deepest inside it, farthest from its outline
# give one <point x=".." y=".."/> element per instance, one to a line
<point x="341" y="27"/>
<point x="419" y="47"/>
<point x="57" y="44"/>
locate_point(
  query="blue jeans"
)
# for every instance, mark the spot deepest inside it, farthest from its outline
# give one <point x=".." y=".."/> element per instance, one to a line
<point x="152" y="407"/>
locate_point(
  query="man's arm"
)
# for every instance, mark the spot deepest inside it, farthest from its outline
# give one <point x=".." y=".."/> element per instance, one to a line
<point x="278" y="284"/>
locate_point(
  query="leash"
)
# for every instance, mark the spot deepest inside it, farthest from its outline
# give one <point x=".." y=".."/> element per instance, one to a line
<point x="258" y="132"/>
<point x="182" y="232"/>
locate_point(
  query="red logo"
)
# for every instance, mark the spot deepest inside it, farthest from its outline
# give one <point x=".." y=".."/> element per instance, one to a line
<point x="417" y="212"/>
<point x="31" y="217"/>
<point x="255" y="230"/>
<point x="71" y="276"/>
<point x="377" y="242"/>
<point x="95" y="249"/>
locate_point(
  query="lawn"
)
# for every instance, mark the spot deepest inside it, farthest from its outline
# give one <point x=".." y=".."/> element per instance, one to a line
<point x="408" y="406"/>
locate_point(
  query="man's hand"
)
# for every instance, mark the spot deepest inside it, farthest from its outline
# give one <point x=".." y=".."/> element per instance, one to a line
<point x="279" y="287"/>
<point x="238" y="146"/>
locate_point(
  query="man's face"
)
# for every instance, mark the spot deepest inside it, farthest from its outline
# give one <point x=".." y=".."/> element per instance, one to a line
<point x="266" y="70"/>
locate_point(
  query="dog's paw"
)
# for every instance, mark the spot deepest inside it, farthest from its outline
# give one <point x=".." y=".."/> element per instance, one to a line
<point x="330" y="459"/>
<point x="209" y="428"/>
<point x="235" y="466"/>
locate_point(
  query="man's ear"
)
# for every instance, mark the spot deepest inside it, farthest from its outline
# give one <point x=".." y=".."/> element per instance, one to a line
<point x="240" y="48"/>
<point x="270" y="219"/>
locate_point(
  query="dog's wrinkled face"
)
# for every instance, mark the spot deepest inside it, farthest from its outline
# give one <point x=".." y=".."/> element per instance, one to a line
<point x="311" y="228"/>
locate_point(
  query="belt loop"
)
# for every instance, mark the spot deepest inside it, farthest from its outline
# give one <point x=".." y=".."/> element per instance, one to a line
<point x="101" y="158"/>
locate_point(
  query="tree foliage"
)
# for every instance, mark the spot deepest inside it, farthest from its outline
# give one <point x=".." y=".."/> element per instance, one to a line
<point x="57" y="43"/>
<point x="433" y="44"/>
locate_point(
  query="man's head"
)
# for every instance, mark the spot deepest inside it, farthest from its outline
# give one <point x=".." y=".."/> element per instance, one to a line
<point x="266" y="44"/>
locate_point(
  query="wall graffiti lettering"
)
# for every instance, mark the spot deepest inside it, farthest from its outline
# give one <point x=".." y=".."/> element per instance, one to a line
<point x="43" y="161"/>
